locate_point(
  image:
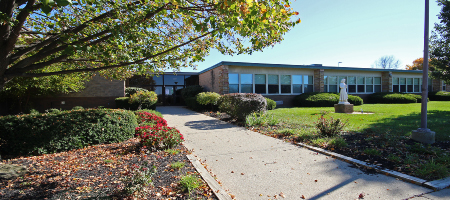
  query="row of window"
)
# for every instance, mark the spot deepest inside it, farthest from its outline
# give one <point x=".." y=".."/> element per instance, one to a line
<point x="296" y="84"/>
<point x="355" y="84"/>
<point x="270" y="83"/>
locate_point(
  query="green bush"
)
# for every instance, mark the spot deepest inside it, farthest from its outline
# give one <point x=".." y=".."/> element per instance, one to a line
<point x="316" y="99"/>
<point x="132" y="90"/>
<point x="144" y="99"/>
<point x="391" y="97"/>
<point x="355" y="100"/>
<point x="271" y="104"/>
<point x="239" y="105"/>
<point x="78" y="108"/>
<point x="56" y="132"/>
<point x="208" y="98"/>
<point x="191" y="103"/>
<point x="123" y="103"/>
<point x="191" y="91"/>
<point x="330" y="127"/>
<point x="439" y="96"/>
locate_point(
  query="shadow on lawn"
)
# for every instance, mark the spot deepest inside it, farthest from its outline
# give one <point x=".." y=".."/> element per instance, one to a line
<point x="437" y="121"/>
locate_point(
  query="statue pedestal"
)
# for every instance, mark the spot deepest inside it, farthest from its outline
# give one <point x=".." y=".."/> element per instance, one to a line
<point x="423" y="135"/>
<point x="343" y="108"/>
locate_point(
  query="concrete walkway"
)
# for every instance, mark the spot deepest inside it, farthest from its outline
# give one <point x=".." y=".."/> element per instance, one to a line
<point x="253" y="166"/>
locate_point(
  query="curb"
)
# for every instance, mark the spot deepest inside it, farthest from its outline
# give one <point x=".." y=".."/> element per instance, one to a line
<point x="212" y="183"/>
<point x="435" y="185"/>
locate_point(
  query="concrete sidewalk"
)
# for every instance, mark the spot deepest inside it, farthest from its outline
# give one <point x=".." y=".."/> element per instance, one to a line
<point x="253" y="166"/>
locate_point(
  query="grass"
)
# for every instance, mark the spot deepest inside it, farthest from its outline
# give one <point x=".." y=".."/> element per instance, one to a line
<point x="189" y="183"/>
<point x="172" y="151"/>
<point x="177" y="165"/>
<point x="395" y="119"/>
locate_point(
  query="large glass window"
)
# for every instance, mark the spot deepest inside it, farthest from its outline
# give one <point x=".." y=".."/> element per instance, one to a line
<point x="233" y="83"/>
<point x="416" y="85"/>
<point x="360" y="81"/>
<point x="173" y="80"/>
<point x="260" y="83"/>
<point x="297" y="83"/>
<point x="408" y="85"/>
<point x="246" y="83"/>
<point x="377" y="84"/>
<point x="308" y="84"/>
<point x="333" y="82"/>
<point x="285" y="81"/>
<point x="369" y="84"/>
<point x="273" y="84"/>
<point x="351" y="84"/>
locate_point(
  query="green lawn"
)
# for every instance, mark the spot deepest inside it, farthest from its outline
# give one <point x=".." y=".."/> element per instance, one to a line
<point x="398" y="119"/>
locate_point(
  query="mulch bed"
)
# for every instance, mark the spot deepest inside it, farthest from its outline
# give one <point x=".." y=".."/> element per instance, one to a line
<point x="96" y="172"/>
<point x="386" y="145"/>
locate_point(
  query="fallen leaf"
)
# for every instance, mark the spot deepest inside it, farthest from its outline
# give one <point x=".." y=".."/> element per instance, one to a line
<point x="303" y="197"/>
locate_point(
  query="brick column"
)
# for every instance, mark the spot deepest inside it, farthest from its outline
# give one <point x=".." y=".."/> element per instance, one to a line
<point x="437" y="85"/>
<point x="318" y="80"/>
<point x="386" y="82"/>
<point x="223" y="80"/>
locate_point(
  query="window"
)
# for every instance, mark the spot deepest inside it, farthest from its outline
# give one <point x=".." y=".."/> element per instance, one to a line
<point x="308" y="84"/>
<point x="246" y="83"/>
<point x="273" y="84"/>
<point x="351" y="84"/>
<point x="369" y="84"/>
<point x="173" y="80"/>
<point x="233" y="83"/>
<point x="430" y="85"/>
<point x="443" y="85"/>
<point x="377" y="84"/>
<point x="260" y="83"/>
<point x="285" y="81"/>
<point x="333" y="84"/>
<point x="361" y="81"/>
<point x="408" y="85"/>
<point x="325" y="83"/>
<point x="297" y="83"/>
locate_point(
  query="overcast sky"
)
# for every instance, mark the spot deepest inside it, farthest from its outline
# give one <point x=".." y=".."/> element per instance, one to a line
<point x="354" y="32"/>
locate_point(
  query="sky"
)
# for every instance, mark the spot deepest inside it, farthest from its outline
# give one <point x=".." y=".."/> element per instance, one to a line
<point x="354" y="32"/>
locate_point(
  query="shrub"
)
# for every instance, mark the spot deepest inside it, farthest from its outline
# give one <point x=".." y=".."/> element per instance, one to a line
<point x="34" y="112"/>
<point x="56" y="132"/>
<point x="144" y="99"/>
<point x="391" y="97"/>
<point x="53" y="110"/>
<point x="271" y="104"/>
<point x="316" y="99"/>
<point x="132" y="90"/>
<point x="439" y="96"/>
<point x="137" y="179"/>
<point x="149" y="111"/>
<point x="208" y="98"/>
<point x="191" y="91"/>
<point x="355" y="100"/>
<point x="154" y="132"/>
<point x="239" y="105"/>
<point x="260" y="119"/>
<point x="330" y="127"/>
<point x="191" y="103"/>
<point x="189" y="183"/>
<point x="77" y="108"/>
<point x="123" y="103"/>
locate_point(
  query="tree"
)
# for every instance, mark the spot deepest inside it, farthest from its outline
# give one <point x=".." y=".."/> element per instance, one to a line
<point x="417" y="65"/>
<point x="440" y="45"/>
<point x="131" y="35"/>
<point x="387" y="62"/>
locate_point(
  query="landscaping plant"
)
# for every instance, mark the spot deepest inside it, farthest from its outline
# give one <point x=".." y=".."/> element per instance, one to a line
<point x="239" y="105"/>
<point x="137" y="180"/>
<point x="271" y="104"/>
<point x="144" y="99"/>
<point x="208" y="98"/>
<point x="330" y="127"/>
<point x="190" y="183"/>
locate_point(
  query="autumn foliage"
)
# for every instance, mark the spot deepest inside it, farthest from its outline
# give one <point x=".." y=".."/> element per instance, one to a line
<point x="416" y="65"/>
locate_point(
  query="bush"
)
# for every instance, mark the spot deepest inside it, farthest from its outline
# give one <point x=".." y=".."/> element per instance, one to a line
<point x="439" y="96"/>
<point x="355" y="100"/>
<point x="144" y="99"/>
<point x="330" y="127"/>
<point x="77" y="108"/>
<point x="132" y="90"/>
<point x="316" y="99"/>
<point x="391" y="97"/>
<point x="208" y="98"/>
<point x="191" y="103"/>
<point x="271" y="104"/>
<point x="191" y="91"/>
<point x="154" y="132"/>
<point x="123" y="103"/>
<point x="56" y="132"/>
<point x="239" y="105"/>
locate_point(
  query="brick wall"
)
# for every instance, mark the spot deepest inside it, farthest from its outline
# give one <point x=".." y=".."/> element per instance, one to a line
<point x="386" y="82"/>
<point x="100" y="87"/>
<point x="215" y="80"/>
<point x="318" y="80"/>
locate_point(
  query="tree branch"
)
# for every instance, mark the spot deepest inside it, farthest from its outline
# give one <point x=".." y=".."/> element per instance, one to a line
<point x="21" y="17"/>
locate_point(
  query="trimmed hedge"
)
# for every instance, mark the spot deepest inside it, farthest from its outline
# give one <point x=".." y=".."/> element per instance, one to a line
<point x="239" y="105"/>
<point x="392" y="97"/>
<point x="271" y="104"/>
<point x="191" y="103"/>
<point x="23" y="135"/>
<point x="123" y="103"/>
<point x="320" y="99"/>
<point x="132" y="90"/>
<point x="191" y="91"/>
<point x="439" y="96"/>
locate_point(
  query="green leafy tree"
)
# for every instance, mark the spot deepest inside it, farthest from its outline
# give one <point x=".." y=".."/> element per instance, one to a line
<point x="440" y="45"/>
<point x="125" y="36"/>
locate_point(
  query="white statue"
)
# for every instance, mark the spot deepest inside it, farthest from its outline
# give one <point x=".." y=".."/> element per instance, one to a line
<point x="343" y="98"/>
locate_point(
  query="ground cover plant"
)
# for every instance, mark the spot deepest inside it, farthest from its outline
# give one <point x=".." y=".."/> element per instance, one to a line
<point x="381" y="138"/>
<point x="126" y="170"/>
